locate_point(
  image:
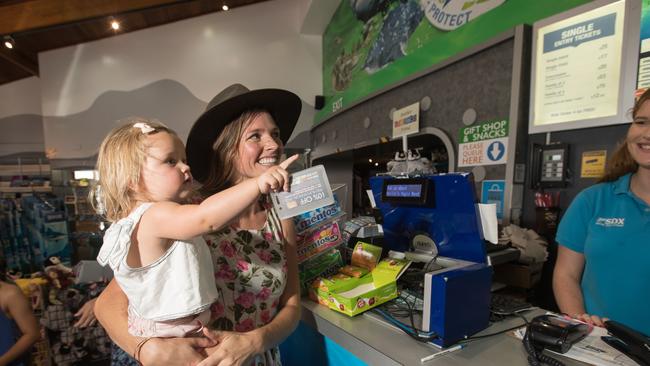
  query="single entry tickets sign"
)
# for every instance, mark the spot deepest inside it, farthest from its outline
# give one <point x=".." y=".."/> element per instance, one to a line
<point x="309" y="190"/>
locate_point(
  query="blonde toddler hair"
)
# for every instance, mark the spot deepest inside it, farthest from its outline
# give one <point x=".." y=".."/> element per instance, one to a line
<point x="119" y="163"/>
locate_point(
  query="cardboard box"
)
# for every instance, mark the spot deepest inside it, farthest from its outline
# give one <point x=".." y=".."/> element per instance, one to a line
<point x="355" y="296"/>
<point x="518" y="275"/>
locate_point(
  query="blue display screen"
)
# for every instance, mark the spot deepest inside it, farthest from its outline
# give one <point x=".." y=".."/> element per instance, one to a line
<point x="404" y="190"/>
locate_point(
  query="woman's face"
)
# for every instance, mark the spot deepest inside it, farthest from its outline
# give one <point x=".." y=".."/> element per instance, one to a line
<point x="638" y="136"/>
<point x="260" y="147"/>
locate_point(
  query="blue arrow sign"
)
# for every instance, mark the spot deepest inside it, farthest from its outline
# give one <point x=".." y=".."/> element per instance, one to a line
<point x="496" y="150"/>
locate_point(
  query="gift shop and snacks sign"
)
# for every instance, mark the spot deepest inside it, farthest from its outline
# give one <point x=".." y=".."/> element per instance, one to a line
<point x="483" y="144"/>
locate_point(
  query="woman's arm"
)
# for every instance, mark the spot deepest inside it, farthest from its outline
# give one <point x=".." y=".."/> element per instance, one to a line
<point x="566" y="281"/>
<point x="566" y="285"/>
<point x="238" y="348"/>
<point x="111" y="311"/>
<point x="20" y="310"/>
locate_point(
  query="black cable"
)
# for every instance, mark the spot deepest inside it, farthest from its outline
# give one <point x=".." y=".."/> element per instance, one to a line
<point x="537" y="357"/>
<point x="493" y="334"/>
<point x="414" y="332"/>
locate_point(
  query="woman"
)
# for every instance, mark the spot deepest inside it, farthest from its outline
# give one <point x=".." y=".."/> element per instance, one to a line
<point x="19" y="328"/>
<point x="239" y="136"/>
<point x="601" y="271"/>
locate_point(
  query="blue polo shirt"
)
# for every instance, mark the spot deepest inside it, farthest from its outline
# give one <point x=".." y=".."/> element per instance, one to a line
<point x="610" y="226"/>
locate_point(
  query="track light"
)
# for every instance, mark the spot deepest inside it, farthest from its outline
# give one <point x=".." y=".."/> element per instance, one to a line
<point x="115" y="25"/>
<point x="8" y="42"/>
<point x="225" y="7"/>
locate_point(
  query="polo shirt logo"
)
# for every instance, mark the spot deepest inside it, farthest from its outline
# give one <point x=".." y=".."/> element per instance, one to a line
<point x="611" y="221"/>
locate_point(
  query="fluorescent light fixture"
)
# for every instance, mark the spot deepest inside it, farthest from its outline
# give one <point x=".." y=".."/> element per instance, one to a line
<point x="86" y="174"/>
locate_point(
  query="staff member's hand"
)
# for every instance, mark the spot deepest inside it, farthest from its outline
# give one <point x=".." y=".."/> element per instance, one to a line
<point x="591" y="319"/>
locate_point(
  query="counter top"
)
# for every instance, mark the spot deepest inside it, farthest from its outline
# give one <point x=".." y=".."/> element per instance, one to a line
<point x="377" y="343"/>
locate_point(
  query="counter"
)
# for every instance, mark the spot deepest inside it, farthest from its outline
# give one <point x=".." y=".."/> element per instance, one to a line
<point x="377" y="343"/>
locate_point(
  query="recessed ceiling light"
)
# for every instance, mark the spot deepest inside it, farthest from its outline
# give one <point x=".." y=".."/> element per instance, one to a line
<point x="225" y="7"/>
<point x="115" y="25"/>
<point x="8" y="42"/>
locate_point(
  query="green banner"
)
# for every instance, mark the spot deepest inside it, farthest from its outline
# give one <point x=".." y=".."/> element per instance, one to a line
<point x="484" y="131"/>
<point x="373" y="44"/>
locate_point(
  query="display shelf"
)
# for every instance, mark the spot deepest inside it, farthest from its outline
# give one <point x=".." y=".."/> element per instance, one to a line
<point x="25" y="178"/>
<point x="39" y="189"/>
<point x="25" y="169"/>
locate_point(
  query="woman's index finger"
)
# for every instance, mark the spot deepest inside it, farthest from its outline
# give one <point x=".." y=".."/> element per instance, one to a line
<point x="285" y="164"/>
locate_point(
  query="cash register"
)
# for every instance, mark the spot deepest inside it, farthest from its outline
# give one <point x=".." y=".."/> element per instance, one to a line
<point x="435" y="218"/>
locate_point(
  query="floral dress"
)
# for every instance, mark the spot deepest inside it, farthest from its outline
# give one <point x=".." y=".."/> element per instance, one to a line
<point x="250" y="272"/>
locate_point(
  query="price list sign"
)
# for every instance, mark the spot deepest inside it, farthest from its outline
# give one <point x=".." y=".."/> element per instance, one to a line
<point x="578" y="65"/>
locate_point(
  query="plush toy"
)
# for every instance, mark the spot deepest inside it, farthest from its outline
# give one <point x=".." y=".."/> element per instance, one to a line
<point x="415" y="164"/>
<point x="14" y="274"/>
<point x="55" y="262"/>
<point x="398" y="164"/>
<point x="55" y="285"/>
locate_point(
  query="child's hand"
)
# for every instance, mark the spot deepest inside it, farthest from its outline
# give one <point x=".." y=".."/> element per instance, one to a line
<point x="276" y="178"/>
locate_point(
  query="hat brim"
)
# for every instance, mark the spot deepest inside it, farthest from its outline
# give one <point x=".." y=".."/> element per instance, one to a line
<point x="284" y="106"/>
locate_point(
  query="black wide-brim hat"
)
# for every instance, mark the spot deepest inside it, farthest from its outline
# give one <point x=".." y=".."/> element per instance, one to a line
<point x="284" y="106"/>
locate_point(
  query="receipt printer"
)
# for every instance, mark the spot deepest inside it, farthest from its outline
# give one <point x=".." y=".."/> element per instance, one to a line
<point x="438" y="214"/>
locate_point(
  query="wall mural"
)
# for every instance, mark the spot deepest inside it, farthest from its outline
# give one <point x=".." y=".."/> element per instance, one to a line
<point x="78" y="136"/>
<point x="372" y="44"/>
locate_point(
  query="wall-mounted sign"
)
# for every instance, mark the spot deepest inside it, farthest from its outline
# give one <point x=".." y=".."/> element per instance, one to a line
<point x="370" y="46"/>
<point x="492" y="192"/>
<point x="569" y="93"/>
<point x="483" y="144"/>
<point x="406" y="121"/>
<point x="451" y="14"/>
<point x="593" y="164"/>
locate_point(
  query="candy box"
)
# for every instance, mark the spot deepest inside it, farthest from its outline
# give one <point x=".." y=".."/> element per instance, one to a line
<point x="369" y="291"/>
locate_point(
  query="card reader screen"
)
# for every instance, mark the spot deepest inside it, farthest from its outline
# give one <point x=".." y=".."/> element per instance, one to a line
<point x="408" y="191"/>
<point x="404" y="190"/>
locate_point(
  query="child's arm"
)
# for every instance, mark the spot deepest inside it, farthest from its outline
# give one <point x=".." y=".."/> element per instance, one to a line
<point x="182" y="222"/>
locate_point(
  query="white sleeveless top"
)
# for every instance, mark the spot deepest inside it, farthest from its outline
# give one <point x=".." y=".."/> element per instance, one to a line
<point x="178" y="284"/>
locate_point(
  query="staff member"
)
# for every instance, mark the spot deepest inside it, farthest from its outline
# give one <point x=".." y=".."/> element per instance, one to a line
<point x="602" y="269"/>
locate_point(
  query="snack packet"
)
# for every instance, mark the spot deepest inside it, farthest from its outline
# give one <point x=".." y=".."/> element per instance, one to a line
<point x="354" y="271"/>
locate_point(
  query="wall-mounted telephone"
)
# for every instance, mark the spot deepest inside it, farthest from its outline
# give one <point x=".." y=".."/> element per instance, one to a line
<point x="549" y="165"/>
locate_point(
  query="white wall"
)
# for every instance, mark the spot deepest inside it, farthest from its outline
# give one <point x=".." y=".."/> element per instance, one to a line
<point x="85" y="87"/>
<point x="21" y="124"/>
<point x="20" y="97"/>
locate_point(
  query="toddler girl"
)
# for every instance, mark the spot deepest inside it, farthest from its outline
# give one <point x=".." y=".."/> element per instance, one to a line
<point x="154" y="245"/>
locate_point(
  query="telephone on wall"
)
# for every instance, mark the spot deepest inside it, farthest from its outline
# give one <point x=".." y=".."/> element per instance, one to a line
<point x="549" y="165"/>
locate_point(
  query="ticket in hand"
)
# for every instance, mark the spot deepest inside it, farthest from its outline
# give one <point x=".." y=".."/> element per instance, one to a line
<point x="309" y="190"/>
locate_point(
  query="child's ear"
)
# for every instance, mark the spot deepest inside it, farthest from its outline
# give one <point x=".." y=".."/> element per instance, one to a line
<point x="134" y="187"/>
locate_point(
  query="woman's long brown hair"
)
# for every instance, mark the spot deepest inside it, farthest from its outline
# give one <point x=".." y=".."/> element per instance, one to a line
<point x="621" y="161"/>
